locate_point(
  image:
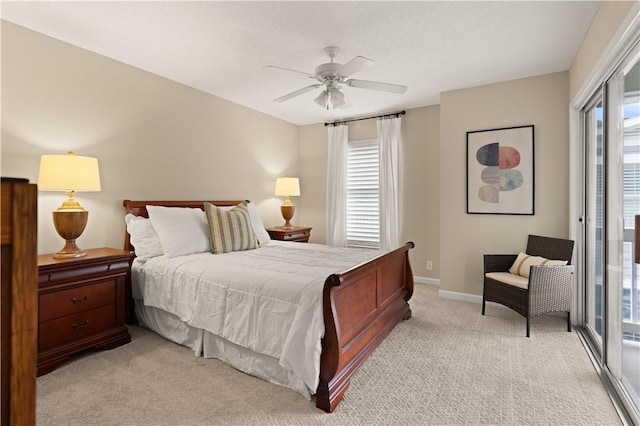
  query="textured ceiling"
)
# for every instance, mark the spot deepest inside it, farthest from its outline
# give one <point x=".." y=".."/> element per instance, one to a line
<point x="221" y="47"/>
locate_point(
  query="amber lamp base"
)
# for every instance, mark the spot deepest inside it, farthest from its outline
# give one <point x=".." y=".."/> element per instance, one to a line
<point x="287" y="211"/>
<point x="70" y="225"/>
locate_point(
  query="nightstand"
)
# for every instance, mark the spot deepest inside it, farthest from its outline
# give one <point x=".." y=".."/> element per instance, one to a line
<point x="300" y="234"/>
<point x="81" y="304"/>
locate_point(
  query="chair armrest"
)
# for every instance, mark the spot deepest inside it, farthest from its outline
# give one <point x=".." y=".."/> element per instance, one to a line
<point x="498" y="262"/>
<point x="550" y="288"/>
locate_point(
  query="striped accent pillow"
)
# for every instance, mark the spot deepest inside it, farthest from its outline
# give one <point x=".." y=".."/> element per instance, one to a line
<point x="230" y="230"/>
<point x="524" y="262"/>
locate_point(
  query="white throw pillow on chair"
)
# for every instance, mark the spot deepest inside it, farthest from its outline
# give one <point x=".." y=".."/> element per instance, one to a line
<point x="524" y="262"/>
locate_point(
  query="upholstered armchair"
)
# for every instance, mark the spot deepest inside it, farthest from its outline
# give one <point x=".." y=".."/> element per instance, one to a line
<point x="527" y="283"/>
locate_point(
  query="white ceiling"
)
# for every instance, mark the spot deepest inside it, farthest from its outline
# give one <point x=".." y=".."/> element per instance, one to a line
<point x="221" y="47"/>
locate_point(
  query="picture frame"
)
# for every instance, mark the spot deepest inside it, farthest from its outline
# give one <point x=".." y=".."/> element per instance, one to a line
<point x="500" y="171"/>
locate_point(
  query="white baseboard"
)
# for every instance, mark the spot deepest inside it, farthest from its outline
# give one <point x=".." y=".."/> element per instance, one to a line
<point x="459" y="296"/>
<point x="425" y="280"/>
<point x="448" y="294"/>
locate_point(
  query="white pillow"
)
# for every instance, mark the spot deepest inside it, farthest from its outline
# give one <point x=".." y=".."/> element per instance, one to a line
<point x="143" y="237"/>
<point x="256" y="224"/>
<point x="525" y="261"/>
<point x="182" y="230"/>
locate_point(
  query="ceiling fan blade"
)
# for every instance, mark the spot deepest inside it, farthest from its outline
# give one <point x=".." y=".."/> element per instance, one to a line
<point x="275" y="68"/>
<point x="375" y="85"/>
<point x="297" y="93"/>
<point x="355" y="65"/>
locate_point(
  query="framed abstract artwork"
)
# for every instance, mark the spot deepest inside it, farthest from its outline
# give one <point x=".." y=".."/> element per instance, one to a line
<point x="500" y="175"/>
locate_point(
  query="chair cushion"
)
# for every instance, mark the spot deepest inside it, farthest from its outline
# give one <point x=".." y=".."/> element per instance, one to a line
<point x="524" y="262"/>
<point x="508" y="278"/>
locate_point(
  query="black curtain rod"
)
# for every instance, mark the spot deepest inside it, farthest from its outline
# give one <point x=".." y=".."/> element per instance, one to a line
<point x="395" y="114"/>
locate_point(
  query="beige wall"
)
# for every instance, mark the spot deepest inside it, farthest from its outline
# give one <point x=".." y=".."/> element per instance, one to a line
<point x="154" y="138"/>
<point x="605" y="24"/>
<point x="420" y="181"/>
<point x="313" y="178"/>
<point x="541" y="101"/>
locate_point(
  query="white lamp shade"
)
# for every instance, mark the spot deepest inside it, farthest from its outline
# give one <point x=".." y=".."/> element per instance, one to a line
<point x="287" y="187"/>
<point x="68" y="173"/>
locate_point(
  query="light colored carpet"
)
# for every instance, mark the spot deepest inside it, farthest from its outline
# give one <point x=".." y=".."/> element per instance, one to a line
<point x="447" y="365"/>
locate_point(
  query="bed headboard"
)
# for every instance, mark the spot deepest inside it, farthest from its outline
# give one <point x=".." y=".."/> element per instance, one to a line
<point x="139" y="208"/>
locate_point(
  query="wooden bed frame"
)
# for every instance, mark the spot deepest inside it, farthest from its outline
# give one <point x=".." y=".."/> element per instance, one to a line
<point x="361" y="306"/>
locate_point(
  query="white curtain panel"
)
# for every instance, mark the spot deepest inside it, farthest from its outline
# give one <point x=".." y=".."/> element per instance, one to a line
<point x="337" y="186"/>
<point x="389" y="138"/>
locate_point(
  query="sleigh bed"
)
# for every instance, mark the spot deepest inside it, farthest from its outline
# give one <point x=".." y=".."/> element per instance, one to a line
<point x="360" y="306"/>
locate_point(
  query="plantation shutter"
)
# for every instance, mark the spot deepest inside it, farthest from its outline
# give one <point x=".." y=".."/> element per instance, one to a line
<point x="363" y="193"/>
<point x="631" y="193"/>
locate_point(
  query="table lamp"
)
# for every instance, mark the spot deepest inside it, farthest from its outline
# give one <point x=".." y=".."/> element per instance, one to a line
<point x="287" y="187"/>
<point x="69" y="173"/>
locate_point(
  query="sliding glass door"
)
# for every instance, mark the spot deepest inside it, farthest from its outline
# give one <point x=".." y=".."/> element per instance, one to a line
<point x="612" y="200"/>
<point x="624" y="133"/>
<point x="594" y="154"/>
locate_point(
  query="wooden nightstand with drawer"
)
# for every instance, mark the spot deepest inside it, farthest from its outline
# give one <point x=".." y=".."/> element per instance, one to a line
<point x="81" y="304"/>
<point x="300" y="234"/>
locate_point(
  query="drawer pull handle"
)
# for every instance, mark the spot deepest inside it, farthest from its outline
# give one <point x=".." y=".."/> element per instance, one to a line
<point x="80" y="326"/>
<point x="49" y="276"/>
<point x="78" y="301"/>
<point x="108" y="267"/>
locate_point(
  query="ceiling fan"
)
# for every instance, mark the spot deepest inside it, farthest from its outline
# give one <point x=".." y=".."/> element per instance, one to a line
<point x="332" y="75"/>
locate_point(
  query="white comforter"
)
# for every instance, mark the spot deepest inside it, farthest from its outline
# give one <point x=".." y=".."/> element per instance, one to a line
<point x="268" y="300"/>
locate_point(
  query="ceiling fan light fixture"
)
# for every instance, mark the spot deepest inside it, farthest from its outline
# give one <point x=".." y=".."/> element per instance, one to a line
<point x="337" y="97"/>
<point x="322" y="99"/>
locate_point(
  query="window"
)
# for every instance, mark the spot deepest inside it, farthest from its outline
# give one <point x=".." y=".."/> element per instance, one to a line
<point x="363" y="193"/>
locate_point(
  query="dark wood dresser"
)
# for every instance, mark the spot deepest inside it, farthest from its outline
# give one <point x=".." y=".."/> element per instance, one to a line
<point x="300" y="234"/>
<point x="19" y="296"/>
<point x="81" y="304"/>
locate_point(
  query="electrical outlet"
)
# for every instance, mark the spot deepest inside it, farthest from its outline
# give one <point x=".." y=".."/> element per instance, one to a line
<point x="429" y="265"/>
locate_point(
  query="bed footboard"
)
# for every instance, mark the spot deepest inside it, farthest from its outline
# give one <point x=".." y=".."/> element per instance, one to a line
<point x="361" y="307"/>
